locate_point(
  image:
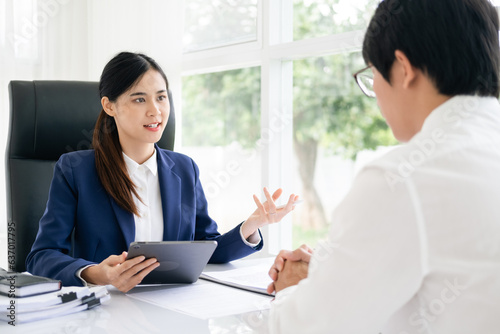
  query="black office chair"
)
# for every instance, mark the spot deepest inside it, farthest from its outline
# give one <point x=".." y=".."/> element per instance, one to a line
<point x="47" y="119"/>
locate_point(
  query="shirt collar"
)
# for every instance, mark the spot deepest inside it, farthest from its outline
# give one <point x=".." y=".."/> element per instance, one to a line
<point x="457" y="109"/>
<point x="150" y="164"/>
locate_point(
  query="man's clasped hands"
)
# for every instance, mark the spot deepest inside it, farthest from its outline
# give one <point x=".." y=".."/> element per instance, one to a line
<point x="289" y="268"/>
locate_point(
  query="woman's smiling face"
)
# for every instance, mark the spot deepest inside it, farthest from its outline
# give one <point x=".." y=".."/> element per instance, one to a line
<point x="141" y="112"/>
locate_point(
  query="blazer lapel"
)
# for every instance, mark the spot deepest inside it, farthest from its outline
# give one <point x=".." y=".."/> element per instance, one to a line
<point x="125" y="220"/>
<point x="170" y="190"/>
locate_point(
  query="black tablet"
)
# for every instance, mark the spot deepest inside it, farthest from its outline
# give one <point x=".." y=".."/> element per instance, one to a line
<point x="180" y="261"/>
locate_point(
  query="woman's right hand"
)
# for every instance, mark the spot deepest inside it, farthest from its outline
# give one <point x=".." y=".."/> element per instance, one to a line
<point x="118" y="271"/>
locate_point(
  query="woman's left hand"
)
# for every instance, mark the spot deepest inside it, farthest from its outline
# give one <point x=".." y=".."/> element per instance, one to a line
<point x="267" y="212"/>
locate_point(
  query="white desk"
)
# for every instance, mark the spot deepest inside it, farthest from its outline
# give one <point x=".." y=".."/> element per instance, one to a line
<point x="124" y="314"/>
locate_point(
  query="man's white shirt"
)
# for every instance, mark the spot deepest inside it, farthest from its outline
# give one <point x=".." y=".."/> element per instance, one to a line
<point x="415" y="245"/>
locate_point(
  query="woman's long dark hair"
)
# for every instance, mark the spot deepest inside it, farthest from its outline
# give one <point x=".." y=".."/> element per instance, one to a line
<point x="119" y="74"/>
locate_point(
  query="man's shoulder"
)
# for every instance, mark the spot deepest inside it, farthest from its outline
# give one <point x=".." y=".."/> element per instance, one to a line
<point x="392" y="169"/>
<point x="390" y="158"/>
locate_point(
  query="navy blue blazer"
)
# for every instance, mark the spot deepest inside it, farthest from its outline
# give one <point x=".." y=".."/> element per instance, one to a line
<point x="77" y="201"/>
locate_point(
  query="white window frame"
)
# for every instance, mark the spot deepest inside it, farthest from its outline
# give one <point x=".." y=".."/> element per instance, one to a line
<point x="274" y="52"/>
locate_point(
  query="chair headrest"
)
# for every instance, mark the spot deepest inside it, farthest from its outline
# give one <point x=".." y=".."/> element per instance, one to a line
<point x="49" y="118"/>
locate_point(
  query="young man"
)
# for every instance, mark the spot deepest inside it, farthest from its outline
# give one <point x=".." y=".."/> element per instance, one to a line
<point x="415" y="245"/>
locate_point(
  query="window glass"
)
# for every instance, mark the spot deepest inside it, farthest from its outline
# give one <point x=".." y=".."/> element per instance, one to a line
<point x="336" y="130"/>
<point x="317" y="18"/>
<point x="28" y="20"/>
<point x="216" y="23"/>
<point x="220" y="131"/>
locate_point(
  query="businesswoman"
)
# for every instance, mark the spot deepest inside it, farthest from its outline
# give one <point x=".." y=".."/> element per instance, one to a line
<point x="128" y="189"/>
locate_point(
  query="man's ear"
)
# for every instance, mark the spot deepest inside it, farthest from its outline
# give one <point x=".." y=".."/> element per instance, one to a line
<point x="108" y="106"/>
<point x="409" y="71"/>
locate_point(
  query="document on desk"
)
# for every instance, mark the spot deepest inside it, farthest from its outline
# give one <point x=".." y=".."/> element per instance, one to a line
<point x="202" y="299"/>
<point x="253" y="278"/>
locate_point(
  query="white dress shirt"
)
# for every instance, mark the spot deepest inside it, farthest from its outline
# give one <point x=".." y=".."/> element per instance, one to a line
<point x="415" y="245"/>
<point x="149" y="222"/>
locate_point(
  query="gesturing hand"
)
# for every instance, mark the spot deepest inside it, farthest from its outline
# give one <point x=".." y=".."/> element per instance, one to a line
<point x="267" y="212"/>
<point x="119" y="272"/>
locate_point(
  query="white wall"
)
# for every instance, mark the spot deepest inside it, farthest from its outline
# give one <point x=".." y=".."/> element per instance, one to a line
<point x="73" y="40"/>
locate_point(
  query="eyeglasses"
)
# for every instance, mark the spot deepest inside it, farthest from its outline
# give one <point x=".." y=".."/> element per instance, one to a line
<point x="364" y="79"/>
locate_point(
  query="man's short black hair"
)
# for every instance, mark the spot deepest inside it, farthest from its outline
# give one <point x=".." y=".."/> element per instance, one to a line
<point x="455" y="42"/>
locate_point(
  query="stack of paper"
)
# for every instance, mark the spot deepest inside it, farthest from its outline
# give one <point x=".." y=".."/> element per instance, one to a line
<point x="66" y="301"/>
<point x="25" y="298"/>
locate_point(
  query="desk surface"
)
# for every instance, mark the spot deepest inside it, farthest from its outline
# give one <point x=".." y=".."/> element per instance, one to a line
<point x="124" y="314"/>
